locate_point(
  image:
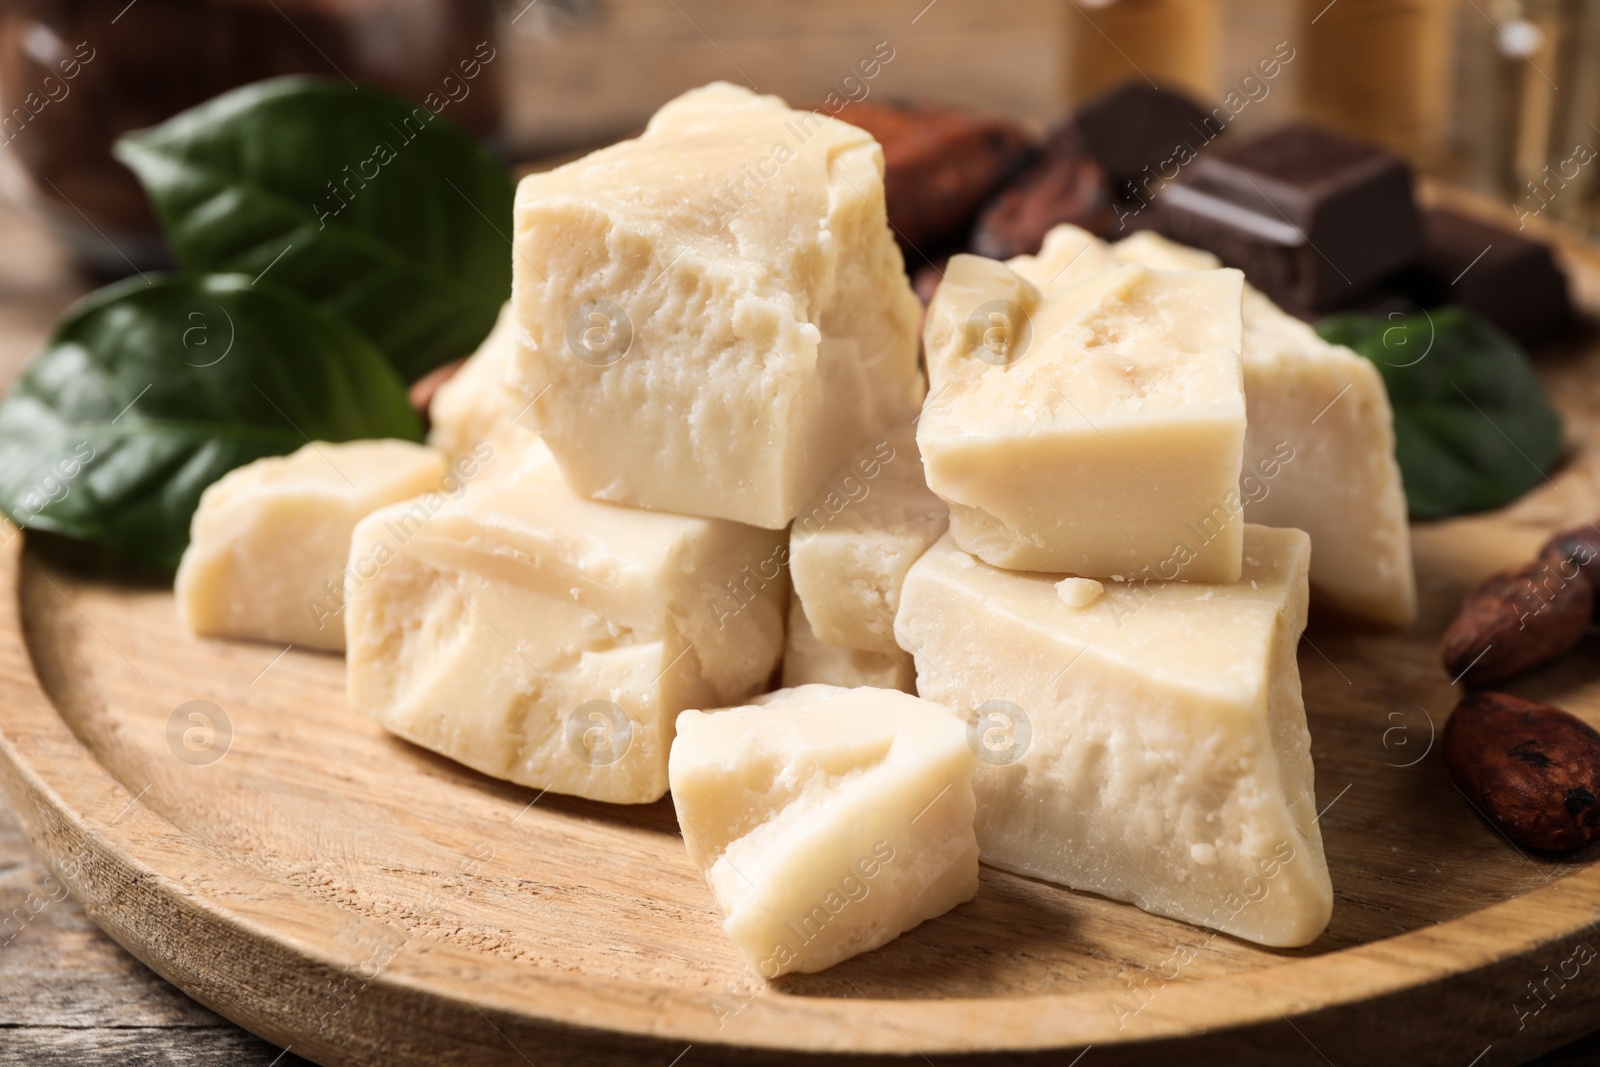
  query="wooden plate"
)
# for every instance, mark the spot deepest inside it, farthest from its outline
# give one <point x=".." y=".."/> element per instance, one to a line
<point x="364" y="902"/>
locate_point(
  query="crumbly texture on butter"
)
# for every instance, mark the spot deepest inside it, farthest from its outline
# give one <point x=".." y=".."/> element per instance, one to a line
<point x="541" y="637"/>
<point x="827" y="821"/>
<point x="268" y="543"/>
<point x="1092" y="429"/>
<point x="1319" y="450"/>
<point x="717" y="308"/>
<point x="1079" y="592"/>
<point x="808" y="661"/>
<point x="1151" y="747"/>
<point x="851" y="546"/>
<point x="481" y="402"/>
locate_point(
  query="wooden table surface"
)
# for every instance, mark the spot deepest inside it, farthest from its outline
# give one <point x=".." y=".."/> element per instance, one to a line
<point x="68" y="993"/>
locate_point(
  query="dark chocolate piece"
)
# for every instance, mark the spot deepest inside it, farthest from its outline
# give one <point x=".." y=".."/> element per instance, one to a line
<point x="1060" y="188"/>
<point x="1141" y="135"/>
<point x="1314" y="218"/>
<point x="1505" y="276"/>
<point x="940" y="165"/>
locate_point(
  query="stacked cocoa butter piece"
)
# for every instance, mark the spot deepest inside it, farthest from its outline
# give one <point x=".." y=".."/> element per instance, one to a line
<point x="1029" y="624"/>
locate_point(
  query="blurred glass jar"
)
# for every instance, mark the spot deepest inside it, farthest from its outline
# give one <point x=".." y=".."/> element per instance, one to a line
<point x="77" y="74"/>
<point x="1381" y="69"/>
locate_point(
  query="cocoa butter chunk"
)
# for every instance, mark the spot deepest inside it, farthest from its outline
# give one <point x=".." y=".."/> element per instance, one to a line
<point x="269" y="541"/>
<point x="828" y="821"/>
<point x="1146" y="742"/>
<point x="476" y="403"/>
<point x="808" y="661"/>
<point x="714" y="314"/>
<point x="1124" y="389"/>
<point x="1530" y="769"/>
<point x="1312" y="217"/>
<point x="940" y="165"/>
<point x="1517" y="620"/>
<point x="548" y="639"/>
<point x="1064" y="187"/>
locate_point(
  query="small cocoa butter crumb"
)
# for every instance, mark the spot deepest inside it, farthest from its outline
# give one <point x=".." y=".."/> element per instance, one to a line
<point x="1079" y="592"/>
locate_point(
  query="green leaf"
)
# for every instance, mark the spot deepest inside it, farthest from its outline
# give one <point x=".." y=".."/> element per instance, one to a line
<point x="370" y="206"/>
<point x="147" y="393"/>
<point x="1473" y="429"/>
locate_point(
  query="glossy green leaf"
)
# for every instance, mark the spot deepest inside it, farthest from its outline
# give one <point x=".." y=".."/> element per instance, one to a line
<point x="370" y="206"/>
<point x="147" y="393"/>
<point x="1473" y="429"/>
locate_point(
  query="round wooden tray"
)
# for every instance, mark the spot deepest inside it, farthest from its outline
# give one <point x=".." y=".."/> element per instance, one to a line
<point x="337" y="891"/>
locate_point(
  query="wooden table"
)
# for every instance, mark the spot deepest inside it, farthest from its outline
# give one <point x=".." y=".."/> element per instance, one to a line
<point x="68" y="993"/>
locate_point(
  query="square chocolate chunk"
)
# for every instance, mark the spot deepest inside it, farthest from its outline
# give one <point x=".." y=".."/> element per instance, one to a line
<point x="1312" y="217"/>
<point x="1141" y="135"/>
<point x="1508" y="278"/>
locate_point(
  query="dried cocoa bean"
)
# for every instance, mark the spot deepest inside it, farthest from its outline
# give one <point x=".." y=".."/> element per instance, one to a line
<point x="940" y="165"/>
<point x="1531" y="769"/>
<point x="1576" y="551"/>
<point x="1063" y="187"/>
<point x="1515" y="621"/>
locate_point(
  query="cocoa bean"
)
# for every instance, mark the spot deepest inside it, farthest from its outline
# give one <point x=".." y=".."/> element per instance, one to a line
<point x="1062" y="187"/>
<point x="1531" y="769"/>
<point x="1576" y="551"/>
<point x="1515" y="621"/>
<point x="940" y="165"/>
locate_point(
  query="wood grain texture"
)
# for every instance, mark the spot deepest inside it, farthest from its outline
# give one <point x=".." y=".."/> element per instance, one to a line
<point x="69" y="993"/>
<point x="365" y="902"/>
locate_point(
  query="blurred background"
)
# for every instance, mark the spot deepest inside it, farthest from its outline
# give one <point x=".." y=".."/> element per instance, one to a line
<point x="1500" y="96"/>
